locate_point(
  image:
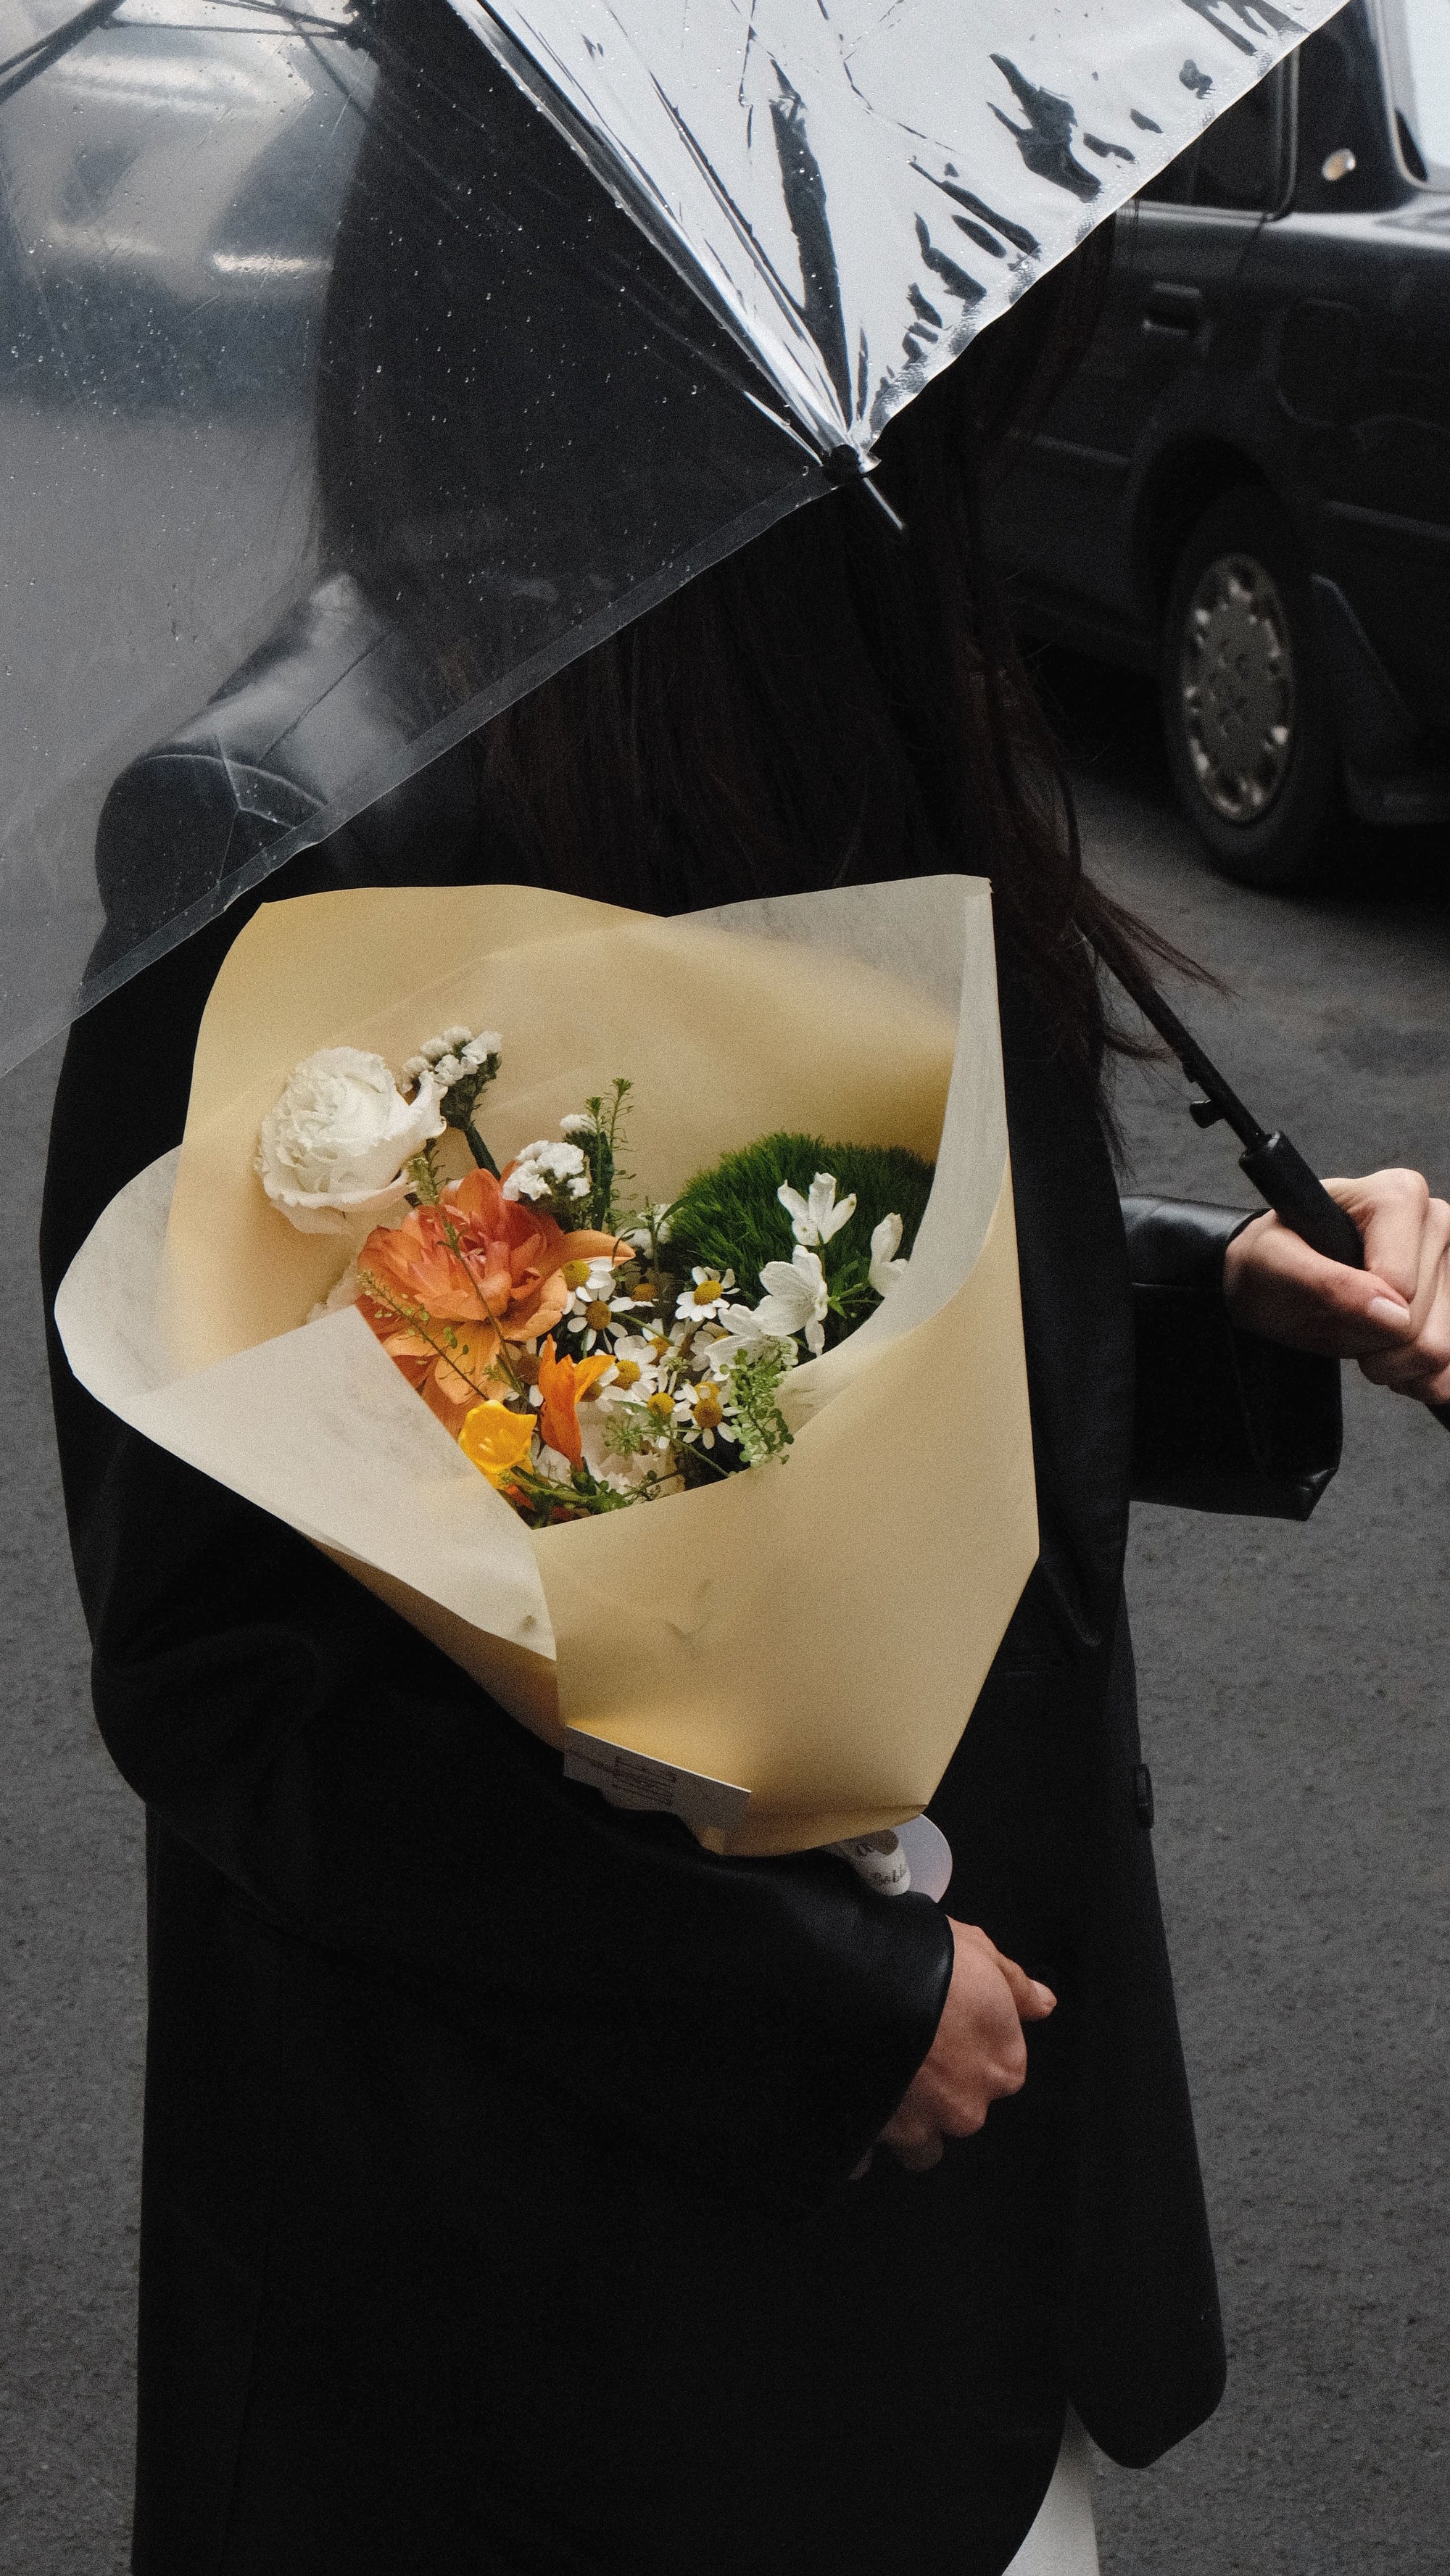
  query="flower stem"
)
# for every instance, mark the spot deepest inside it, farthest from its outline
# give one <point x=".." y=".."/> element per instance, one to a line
<point x="477" y="1147"/>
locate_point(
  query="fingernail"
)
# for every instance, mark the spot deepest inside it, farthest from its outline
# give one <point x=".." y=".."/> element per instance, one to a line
<point x="1388" y="1310"/>
<point x="1044" y="1995"/>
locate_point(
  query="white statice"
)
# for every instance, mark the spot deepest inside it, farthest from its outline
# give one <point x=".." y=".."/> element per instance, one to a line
<point x="550" y="1168"/>
<point x="796" y="1299"/>
<point x="886" y="1271"/>
<point x="595" y="1303"/>
<point x="337" y="1145"/>
<point x="456" y="1053"/>
<point x="579" y="1122"/>
<point x="816" y="1217"/>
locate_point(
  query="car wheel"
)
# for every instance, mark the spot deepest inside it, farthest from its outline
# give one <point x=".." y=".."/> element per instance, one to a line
<point x="1246" y="716"/>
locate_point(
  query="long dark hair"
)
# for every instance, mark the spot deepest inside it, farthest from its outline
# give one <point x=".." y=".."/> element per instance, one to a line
<point x="834" y="703"/>
<point x="828" y="703"/>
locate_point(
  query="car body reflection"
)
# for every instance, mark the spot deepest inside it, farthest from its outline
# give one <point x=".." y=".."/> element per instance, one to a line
<point x="168" y="176"/>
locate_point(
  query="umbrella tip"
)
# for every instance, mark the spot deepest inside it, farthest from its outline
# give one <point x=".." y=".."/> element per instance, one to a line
<point x="846" y="468"/>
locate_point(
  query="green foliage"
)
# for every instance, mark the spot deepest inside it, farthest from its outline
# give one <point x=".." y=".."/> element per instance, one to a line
<point x="753" y="1402"/>
<point x="542" y="1500"/>
<point x="731" y="1218"/>
<point x="630" y="1429"/>
<point x="600" y="1144"/>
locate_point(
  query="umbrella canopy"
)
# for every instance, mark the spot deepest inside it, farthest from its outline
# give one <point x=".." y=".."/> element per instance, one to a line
<point x="414" y="346"/>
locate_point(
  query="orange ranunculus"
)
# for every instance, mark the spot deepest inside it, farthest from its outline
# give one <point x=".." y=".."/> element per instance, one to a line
<point x="516" y="1253"/>
<point x="561" y="1384"/>
<point x="482" y="1267"/>
<point x="422" y="1264"/>
<point x="478" y="1256"/>
<point x="451" y="1365"/>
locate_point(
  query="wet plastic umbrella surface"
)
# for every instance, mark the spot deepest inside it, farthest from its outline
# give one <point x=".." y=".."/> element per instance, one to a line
<point x="424" y="344"/>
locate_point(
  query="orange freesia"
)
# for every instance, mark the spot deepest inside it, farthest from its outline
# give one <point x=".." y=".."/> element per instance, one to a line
<point x="562" y="1383"/>
<point x="496" y="1440"/>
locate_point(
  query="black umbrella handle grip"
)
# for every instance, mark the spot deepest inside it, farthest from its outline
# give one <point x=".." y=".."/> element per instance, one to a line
<point x="1298" y="1196"/>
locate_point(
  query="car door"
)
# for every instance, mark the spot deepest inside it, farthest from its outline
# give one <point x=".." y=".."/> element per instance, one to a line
<point x="1349" y="294"/>
<point x="1063" y="522"/>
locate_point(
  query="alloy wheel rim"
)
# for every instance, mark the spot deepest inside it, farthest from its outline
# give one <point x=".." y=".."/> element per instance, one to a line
<point x="1236" y="688"/>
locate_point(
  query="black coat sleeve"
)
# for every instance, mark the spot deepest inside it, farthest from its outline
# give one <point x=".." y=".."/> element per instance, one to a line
<point x="754" y="2021"/>
<point x="1223" y="1421"/>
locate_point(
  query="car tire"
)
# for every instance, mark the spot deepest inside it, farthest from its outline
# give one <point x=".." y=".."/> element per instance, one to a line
<point x="1247" y="721"/>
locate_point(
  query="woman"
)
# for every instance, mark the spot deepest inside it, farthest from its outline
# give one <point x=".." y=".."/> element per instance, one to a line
<point x="512" y="2197"/>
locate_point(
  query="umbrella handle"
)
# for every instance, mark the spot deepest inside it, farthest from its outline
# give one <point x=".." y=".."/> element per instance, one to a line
<point x="1299" y="1198"/>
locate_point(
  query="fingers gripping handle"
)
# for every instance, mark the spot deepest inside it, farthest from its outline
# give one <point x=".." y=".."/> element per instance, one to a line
<point x="1277" y="1169"/>
<point x="1299" y="1198"/>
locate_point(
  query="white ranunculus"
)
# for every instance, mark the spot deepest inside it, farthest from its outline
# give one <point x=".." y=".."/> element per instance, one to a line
<point x="337" y="1145"/>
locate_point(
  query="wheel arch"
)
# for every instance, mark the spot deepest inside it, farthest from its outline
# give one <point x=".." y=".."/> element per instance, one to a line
<point x="1183" y="481"/>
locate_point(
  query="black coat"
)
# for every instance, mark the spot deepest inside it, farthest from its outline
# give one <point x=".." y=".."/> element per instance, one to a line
<point x="495" y="2210"/>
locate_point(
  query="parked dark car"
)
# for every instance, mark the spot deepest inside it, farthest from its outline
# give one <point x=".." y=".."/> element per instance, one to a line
<point x="1246" y="486"/>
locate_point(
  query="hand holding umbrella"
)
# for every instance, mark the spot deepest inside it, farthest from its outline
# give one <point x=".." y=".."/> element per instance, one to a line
<point x="1280" y="1274"/>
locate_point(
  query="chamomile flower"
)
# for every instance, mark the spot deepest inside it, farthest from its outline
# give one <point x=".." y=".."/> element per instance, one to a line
<point x="661" y="1406"/>
<point x="596" y="1304"/>
<point x="816" y="1217"/>
<point x="635" y="1375"/>
<point x="703" y="1299"/>
<point x="700" y="1411"/>
<point x="663" y="1350"/>
<point x="796" y="1298"/>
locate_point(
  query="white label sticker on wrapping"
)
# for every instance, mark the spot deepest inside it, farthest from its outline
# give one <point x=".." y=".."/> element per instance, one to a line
<point x="629" y="1779"/>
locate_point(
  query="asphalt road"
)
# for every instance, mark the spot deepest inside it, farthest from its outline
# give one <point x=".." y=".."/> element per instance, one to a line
<point x="1297" y="1714"/>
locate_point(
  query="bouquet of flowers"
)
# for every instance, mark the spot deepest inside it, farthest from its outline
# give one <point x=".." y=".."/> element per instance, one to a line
<point x="453" y="1307"/>
<point x="584" y="1353"/>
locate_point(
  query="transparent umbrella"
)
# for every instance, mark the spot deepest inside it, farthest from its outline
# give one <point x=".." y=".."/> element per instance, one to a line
<point x="404" y="349"/>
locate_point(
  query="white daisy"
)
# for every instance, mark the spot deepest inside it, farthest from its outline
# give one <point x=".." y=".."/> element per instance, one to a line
<point x="596" y="1304"/>
<point x="635" y="1374"/>
<point x="704" y="1299"/>
<point x="699" y="1412"/>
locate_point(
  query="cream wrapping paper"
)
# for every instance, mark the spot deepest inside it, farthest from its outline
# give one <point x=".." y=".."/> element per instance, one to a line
<point x="795" y="1651"/>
